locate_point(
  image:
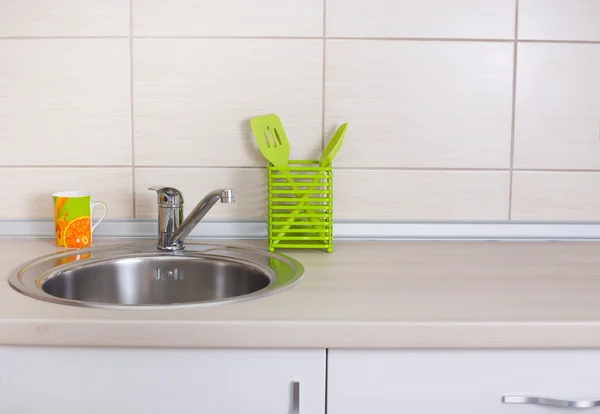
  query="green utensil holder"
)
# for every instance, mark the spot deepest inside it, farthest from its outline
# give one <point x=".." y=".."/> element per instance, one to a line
<point x="300" y="206"/>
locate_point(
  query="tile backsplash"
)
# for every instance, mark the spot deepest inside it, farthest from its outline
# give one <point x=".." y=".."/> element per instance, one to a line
<point x="457" y="110"/>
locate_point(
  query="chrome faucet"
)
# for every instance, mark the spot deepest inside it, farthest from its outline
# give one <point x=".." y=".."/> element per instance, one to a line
<point x="172" y="229"/>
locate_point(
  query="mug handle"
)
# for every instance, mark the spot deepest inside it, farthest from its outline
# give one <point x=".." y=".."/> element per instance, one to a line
<point x="94" y="204"/>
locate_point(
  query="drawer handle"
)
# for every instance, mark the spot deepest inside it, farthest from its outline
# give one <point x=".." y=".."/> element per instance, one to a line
<point x="295" y="397"/>
<point x="552" y="402"/>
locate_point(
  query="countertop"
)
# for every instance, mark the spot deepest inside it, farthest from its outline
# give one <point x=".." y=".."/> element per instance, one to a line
<point x="383" y="294"/>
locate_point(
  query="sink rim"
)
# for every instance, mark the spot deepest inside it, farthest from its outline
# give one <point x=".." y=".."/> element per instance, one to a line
<point x="30" y="284"/>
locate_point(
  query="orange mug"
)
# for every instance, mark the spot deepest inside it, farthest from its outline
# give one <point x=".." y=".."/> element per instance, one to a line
<point x="72" y="218"/>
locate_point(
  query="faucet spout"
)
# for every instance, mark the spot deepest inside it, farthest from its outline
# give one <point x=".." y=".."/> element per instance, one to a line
<point x="172" y="229"/>
<point x="225" y="195"/>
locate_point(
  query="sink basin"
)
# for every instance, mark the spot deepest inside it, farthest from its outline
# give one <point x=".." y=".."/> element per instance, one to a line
<point x="141" y="277"/>
<point x="154" y="280"/>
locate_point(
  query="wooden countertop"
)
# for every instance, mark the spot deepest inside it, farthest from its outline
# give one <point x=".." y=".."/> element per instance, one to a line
<point x="382" y="294"/>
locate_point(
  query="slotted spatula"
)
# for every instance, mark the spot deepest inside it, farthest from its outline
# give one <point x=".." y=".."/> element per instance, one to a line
<point x="271" y="139"/>
<point x="273" y="144"/>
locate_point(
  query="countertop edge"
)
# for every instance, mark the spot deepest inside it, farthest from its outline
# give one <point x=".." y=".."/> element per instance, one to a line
<point x="290" y="334"/>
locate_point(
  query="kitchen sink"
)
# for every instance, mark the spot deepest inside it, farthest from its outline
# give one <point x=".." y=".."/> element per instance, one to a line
<point x="139" y="276"/>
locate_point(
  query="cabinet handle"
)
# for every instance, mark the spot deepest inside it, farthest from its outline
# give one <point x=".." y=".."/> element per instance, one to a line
<point x="552" y="402"/>
<point x="295" y="397"/>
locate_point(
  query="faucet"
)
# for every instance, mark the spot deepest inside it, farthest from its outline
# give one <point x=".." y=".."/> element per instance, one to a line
<point x="172" y="229"/>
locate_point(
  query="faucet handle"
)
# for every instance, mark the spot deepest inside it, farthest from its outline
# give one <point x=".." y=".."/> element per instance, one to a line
<point x="168" y="196"/>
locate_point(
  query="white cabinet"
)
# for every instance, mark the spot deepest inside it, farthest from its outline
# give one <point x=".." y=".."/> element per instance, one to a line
<point x="459" y="381"/>
<point x="45" y="380"/>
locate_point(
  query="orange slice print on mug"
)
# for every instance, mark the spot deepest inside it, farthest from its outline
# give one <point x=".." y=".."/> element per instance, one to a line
<point x="78" y="233"/>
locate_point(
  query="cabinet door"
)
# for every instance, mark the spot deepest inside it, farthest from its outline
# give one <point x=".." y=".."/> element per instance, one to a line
<point x="160" y="381"/>
<point x="462" y="381"/>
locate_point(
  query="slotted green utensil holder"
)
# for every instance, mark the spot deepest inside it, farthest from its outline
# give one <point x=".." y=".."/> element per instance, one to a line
<point x="300" y="206"/>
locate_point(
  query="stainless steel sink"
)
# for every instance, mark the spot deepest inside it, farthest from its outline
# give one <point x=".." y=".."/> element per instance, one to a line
<point x="138" y="276"/>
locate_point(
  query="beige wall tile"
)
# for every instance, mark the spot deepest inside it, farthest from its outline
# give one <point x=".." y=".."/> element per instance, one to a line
<point x="228" y="18"/>
<point x="64" y="18"/>
<point x="558" y="106"/>
<point x="559" y="19"/>
<point x="64" y="102"/>
<point x="556" y="196"/>
<point x="194" y="98"/>
<point x="420" y="104"/>
<point x="489" y="19"/>
<point x="420" y="195"/>
<point x="31" y="189"/>
<point x="250" y="185"/>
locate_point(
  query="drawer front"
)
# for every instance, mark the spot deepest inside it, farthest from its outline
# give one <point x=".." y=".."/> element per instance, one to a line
<point x="463" y="381"/>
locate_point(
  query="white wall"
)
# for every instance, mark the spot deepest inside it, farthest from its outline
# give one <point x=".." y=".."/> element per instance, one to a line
<point x="112" y="97"/>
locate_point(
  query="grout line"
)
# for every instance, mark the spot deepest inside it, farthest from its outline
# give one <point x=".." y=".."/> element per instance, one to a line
<point x="202" y="167"/>
<point x="324" y="36"/>
<point x="560" y="170"/>
<point x="513" y="114"/>
<point x="66" y="166"/>
<point x="421" y="39"/>
<point x="233" y="37"/>
<point x="61" y="37"/>
<point x="337" y="168"/>
<point x="251" y="167"/>
<point x="449" y="169"/>
<point x="418" y="39"/>
<point x="137" y="166"/>
<point x="323" y="74"/>
<point x="460" y="39"/>
<point x="131" y="109"/>
<point x="585" y="42"/>
<point x="415" y="39"/>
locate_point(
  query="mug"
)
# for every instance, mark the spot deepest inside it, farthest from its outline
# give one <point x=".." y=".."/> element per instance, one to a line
<point x="72" y="218"/>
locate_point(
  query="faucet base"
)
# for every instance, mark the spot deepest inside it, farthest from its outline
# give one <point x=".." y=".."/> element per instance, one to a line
<point x="172" y="247"/>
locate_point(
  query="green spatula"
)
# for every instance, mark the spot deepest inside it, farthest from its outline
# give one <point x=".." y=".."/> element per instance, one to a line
<point x="273" y="145"/>
<point x="271" y="139"/>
